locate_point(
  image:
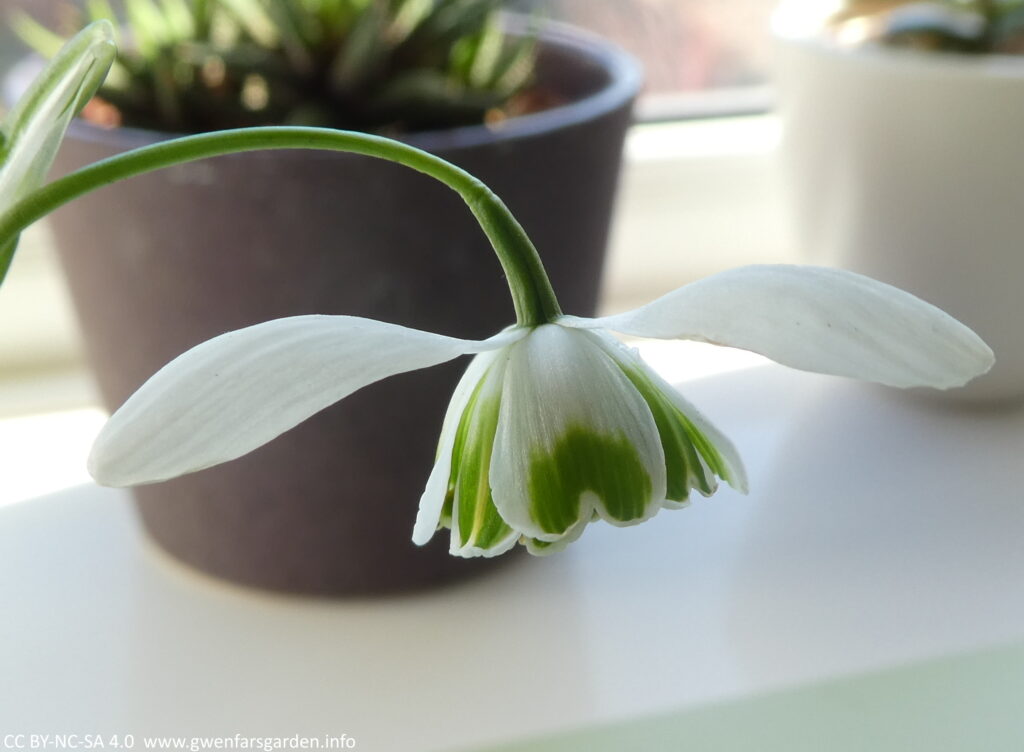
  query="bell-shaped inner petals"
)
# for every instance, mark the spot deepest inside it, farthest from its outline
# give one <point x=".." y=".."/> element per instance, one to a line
<point x="574" y="437"/>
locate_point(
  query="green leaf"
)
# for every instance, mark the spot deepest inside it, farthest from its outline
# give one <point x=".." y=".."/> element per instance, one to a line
<point x="516" y="68"/>
<point x="35" y="35"/>
<point x="358" y="61"/>
<point x="149" y="28"/>
<point x="487" y="55"/>
<point x="290" y="32"/>
<point x="7" y="256"/>
<point x="100" y="10"/>
<point x="408" y="17"/>
<point x="36" y="124"/>
<point x="252" y="16"/>
<point x="179" y="19"/>
<point x="363" y="49"/>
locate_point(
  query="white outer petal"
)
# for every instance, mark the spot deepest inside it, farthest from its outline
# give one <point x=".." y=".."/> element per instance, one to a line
<point x="816" y="319"/>
<point x="557" y="377"/>
<point x="432" y="500"/>
<point x="236" y="392"/>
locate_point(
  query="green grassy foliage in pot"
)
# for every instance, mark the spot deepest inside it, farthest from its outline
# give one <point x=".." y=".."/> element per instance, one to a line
<point x="382" y="66"/>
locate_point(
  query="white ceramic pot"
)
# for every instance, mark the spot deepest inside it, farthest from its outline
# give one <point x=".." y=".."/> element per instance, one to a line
<point x="909" y="167"/>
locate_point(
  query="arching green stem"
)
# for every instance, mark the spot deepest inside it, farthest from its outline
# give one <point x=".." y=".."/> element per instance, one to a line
<point x="534" y="299"/>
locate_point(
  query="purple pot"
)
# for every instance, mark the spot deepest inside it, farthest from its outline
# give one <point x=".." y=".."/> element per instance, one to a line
<point x="160" y="263"/>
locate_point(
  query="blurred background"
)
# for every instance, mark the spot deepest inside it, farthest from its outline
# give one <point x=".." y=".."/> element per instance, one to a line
<point x="697" y="193"/>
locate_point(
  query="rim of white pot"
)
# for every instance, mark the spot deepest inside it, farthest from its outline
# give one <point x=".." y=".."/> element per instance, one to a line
<point x="797" y="25"/>
<point x="623" y="71"/>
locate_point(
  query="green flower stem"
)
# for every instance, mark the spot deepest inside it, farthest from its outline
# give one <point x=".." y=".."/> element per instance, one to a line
<point x="534" y="299"/>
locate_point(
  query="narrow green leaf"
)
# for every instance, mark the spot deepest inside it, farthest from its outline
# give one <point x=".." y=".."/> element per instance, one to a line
<point x="252" y="16"/>
<point x="101" y="10"/>
<point x="516" y="68"/>
<point x="7" y="256"/>
<point x="148" y="26"/>
<point x="35" y="35"/>
<point x="178" y="15"/>
<point x="363" y="49"/>
<point x="408" y="17"/>
<point x="487" y="56"/>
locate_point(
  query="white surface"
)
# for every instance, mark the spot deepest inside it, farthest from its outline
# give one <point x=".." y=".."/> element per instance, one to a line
<point x="879" y="530"/>
<point x="46" y="453"/>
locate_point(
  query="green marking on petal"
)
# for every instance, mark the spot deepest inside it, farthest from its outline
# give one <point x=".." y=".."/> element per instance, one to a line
<point x="585" y="461"/>
<point x="707" y="450"/>
<point x="691" y="460"/>
<point x="469" y="496"/>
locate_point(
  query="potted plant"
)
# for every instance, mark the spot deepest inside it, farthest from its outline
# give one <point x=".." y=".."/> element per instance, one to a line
<point x="904" y="155"/>
<point x="165" y="261"/>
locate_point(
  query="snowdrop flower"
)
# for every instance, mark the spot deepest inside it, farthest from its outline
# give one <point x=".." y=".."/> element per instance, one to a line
<point x="554" y="424"/>
<point x="32" y="131"/>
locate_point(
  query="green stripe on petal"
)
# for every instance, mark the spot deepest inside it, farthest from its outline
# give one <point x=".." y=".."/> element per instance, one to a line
<point x="695" y="452"/>
<point x="436" y="502"/>
<point x="476" y="525"/>
<point x="683" y="466"/>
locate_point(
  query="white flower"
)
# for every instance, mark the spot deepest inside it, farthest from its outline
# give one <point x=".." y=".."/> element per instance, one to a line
<point x="32" y="131"/>
<point x="552" y="426"/>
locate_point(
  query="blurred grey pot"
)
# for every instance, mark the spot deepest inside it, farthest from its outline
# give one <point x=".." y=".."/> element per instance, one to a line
<point x="908" y="168"/>
<point x="160" y="263"/>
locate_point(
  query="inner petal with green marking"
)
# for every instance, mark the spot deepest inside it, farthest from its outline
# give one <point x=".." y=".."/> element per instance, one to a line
<point x="476" y="525"/>
<point x="575" y="440"/>
<point x="685" y="468"/>
<point x="692" y="460"/>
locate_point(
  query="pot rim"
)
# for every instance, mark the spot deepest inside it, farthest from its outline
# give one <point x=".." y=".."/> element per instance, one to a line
<point x="804" y="34"/>
<point x="624" y="72"/>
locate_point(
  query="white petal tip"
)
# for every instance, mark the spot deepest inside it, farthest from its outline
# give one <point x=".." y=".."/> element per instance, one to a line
<point x="102" y="471"/>
<point x="423" y="532"/>
<point x="101" y="31"/>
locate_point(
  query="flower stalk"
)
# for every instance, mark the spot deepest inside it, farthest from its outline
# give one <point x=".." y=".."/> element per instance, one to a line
<point x="532" y="294"/>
